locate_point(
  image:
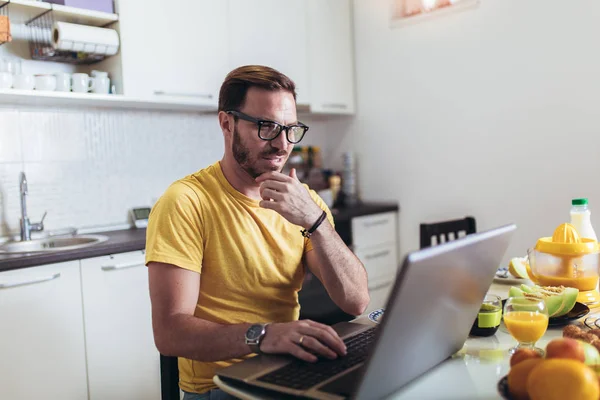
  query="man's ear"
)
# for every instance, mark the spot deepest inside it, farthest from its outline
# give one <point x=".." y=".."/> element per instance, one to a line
<point x="226" y="123"/>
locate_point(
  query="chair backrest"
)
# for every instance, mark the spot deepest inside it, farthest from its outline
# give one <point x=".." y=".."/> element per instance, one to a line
<point x="445" y="231"/>
<point x="169" y="378"/>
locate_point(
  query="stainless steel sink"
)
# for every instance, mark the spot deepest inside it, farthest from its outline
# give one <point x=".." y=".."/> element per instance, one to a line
<point x="55" y="243"/>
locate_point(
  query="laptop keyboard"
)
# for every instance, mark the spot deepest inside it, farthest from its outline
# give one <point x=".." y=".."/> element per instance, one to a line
<point x="301" y="375"/>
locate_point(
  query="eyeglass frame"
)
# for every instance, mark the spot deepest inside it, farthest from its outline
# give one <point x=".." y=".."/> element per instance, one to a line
<point x="260" y="122"/>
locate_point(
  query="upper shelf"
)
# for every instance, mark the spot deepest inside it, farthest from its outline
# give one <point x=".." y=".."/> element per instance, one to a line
<point x="24" y="10"/>
<point x="14" y="97"/>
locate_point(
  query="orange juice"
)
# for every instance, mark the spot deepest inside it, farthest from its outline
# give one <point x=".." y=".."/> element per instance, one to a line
<point x="581" y="283"/>
<point x="526" y="326"/>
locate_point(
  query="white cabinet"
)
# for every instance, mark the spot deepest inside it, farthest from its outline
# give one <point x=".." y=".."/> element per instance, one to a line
<point x="123" y="362"/>
<point x="374" y="241"/>
<point x="42" y="348"/>
<point x="331" y="59"/>
<point x="176" y="50"/>
<point x="272" y="33"/>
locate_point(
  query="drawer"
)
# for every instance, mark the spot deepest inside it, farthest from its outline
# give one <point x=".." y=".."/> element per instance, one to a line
<point x="381" y="263"/>
<point x="372" y="230"/>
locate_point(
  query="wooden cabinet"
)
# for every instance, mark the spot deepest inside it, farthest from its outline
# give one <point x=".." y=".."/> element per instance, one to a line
<point x="331" y="56"/>
<point x="42" y="347"/>
<point x="176" y="51"/>
<point x="271" y="33"/>
<point x="123" y="362"/>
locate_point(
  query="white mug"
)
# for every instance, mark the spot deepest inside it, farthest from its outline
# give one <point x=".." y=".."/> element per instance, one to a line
<point x="82" y="83"/>
<point x="101" y="82"/>
<point x="6" y="80"/>
<point x="63" y="82"/>
<point x="45" y="82"/>
<point x="24" y="82"/>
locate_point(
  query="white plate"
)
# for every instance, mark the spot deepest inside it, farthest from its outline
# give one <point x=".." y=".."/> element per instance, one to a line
<point x="511" y="280"/>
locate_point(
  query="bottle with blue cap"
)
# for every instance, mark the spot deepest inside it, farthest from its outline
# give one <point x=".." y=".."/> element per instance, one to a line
<point x="581" y="218"/>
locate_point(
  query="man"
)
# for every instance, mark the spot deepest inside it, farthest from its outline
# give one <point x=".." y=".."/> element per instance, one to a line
<point x="228" y="245"/>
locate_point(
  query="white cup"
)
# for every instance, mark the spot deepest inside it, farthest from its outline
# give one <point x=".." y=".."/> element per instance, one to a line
<point x="6" y="80"/>
<point x="82" y="83"/>
<point x="101" y="82"/>
<point x="63" y="82"/>
<point x="24" y="82"/>
<point x="45" y="82"/>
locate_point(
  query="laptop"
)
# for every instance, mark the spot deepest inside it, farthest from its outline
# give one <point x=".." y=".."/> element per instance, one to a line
<point x="435" y="299"/>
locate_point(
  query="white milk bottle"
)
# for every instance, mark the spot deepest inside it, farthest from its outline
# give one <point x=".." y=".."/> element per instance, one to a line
<point x="580" y="218"/>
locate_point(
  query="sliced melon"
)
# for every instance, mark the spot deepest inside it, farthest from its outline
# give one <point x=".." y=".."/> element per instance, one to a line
<point x="517" y="267"/>
<point x="559" y="299"/>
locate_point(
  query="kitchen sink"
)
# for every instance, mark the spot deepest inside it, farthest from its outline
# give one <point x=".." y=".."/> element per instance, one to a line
<point x="50" y="244"/>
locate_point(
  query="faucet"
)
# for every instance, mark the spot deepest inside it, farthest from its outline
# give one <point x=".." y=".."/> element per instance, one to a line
<point x="26" y="226"/>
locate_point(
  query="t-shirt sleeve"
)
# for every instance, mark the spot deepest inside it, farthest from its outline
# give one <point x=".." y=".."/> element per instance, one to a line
<point x="174" y="234"/>
<point x="308" y="244"/>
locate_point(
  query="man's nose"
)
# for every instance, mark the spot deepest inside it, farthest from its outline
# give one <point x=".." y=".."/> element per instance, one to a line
<point x="281" y="142"/>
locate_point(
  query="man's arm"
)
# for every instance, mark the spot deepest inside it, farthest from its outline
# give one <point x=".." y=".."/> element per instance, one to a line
<point x="341" y="272"/>
<point x="177" y="332"/>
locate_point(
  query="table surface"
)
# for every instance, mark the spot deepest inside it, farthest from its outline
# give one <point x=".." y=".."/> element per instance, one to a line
<point x="472" y="373"/>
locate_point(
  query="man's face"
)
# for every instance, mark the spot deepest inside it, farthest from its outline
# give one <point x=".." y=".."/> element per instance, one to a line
<point x="254" y="155"/>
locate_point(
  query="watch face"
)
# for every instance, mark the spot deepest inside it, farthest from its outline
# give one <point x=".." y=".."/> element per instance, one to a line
<point x="254" y="332"/>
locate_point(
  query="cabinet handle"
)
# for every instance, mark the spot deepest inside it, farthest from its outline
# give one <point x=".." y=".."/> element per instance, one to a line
<point x="31" y="282"/>
<point x="374" y="223"/>
<point x="379" y="286"/>
<point x="335" y="105"/>
<point x="201" y="95"/>
<point x="377" y="255"/>
<point x="121" y="266"/>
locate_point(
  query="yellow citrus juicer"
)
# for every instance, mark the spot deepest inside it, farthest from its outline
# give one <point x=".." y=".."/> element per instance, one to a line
<point x="567" y="259"/>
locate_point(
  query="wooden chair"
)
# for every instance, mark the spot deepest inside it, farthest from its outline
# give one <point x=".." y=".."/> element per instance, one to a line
<point x="169" y="378"/>
<point x="445" y="231"/>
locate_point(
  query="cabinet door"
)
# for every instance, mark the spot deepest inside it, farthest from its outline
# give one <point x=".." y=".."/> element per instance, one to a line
<point x="331" y="60"/>
<point x="42" y="348"/>
<point x="123" y="362"/>
<point x="269" y="32"/>
<point x="174" y="50"/>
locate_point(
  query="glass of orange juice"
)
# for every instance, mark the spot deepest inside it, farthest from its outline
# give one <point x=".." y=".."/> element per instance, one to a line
<point x="526" y="320"/>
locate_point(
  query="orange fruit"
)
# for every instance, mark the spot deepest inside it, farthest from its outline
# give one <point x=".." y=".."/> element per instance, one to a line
<point x="561" y="378"/>
<point x="518" y="375"/>
<point x="522" y="355"/>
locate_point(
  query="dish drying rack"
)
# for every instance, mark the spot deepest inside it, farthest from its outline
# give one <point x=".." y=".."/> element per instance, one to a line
<point x="38" y="31"/>
<point x="40" y="43"/>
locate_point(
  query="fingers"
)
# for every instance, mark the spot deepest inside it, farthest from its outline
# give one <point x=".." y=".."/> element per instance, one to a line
<point x="310" y="343"/>
<point x="268" y="194"/>
<point x="299" y="352"/>
<point x="328" y="337"/>
<point x="275" y="185"/>
<point x="293" y="174"/>
<point x="274" y="175"/>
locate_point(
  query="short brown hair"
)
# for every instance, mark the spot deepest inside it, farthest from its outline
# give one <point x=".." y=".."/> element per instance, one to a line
<point x="233" y="90"/>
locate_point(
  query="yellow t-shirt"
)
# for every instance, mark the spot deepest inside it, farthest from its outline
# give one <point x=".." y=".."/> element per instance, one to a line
<point x="249" y="258"/>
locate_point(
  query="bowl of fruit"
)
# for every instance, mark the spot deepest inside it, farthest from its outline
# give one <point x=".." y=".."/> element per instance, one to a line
<point x="570" y="369"/>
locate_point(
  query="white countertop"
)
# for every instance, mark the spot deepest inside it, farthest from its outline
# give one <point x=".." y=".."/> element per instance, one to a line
<point x="474" y="372"/>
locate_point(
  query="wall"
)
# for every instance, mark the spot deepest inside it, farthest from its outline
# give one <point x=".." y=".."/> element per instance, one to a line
<point x="491" y="112"/>
<point x="88" y="168"/>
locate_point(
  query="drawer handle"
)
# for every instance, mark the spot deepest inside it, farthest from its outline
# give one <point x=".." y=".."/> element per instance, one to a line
<point x="335" y="105"/>
<point x="121" y="266"/>
<point x="31" y="282"/>
<point x="380" y="285"/>
<point x="377" y="255"/>
<point x="375" y="223"/>
<point x="201" y="95"/>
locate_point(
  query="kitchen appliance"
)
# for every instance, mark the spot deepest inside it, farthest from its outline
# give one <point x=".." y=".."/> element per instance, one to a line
<point x="567" y="259"/>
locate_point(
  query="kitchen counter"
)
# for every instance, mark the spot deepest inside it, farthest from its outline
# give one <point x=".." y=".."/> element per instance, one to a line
<point x="122" y="241"/>
<point x="118" y="242"/>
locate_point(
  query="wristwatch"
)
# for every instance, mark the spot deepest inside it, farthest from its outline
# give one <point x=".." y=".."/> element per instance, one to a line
<point x="255" y="335"/>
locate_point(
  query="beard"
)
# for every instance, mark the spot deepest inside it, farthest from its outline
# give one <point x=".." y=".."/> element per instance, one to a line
<point x="248" y="162"/>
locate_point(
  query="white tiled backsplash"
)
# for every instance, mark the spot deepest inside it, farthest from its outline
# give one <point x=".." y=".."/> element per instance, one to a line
<point x="89" y="168"/>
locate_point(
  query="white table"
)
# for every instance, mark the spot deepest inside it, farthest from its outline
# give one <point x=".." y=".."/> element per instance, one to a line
<point x="472" y="373"/>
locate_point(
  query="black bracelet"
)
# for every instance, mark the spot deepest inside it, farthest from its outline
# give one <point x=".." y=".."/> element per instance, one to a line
<point x="307" y="233"/>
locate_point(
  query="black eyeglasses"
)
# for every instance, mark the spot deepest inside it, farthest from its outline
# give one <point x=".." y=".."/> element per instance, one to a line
<point x="269" y="130"/>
